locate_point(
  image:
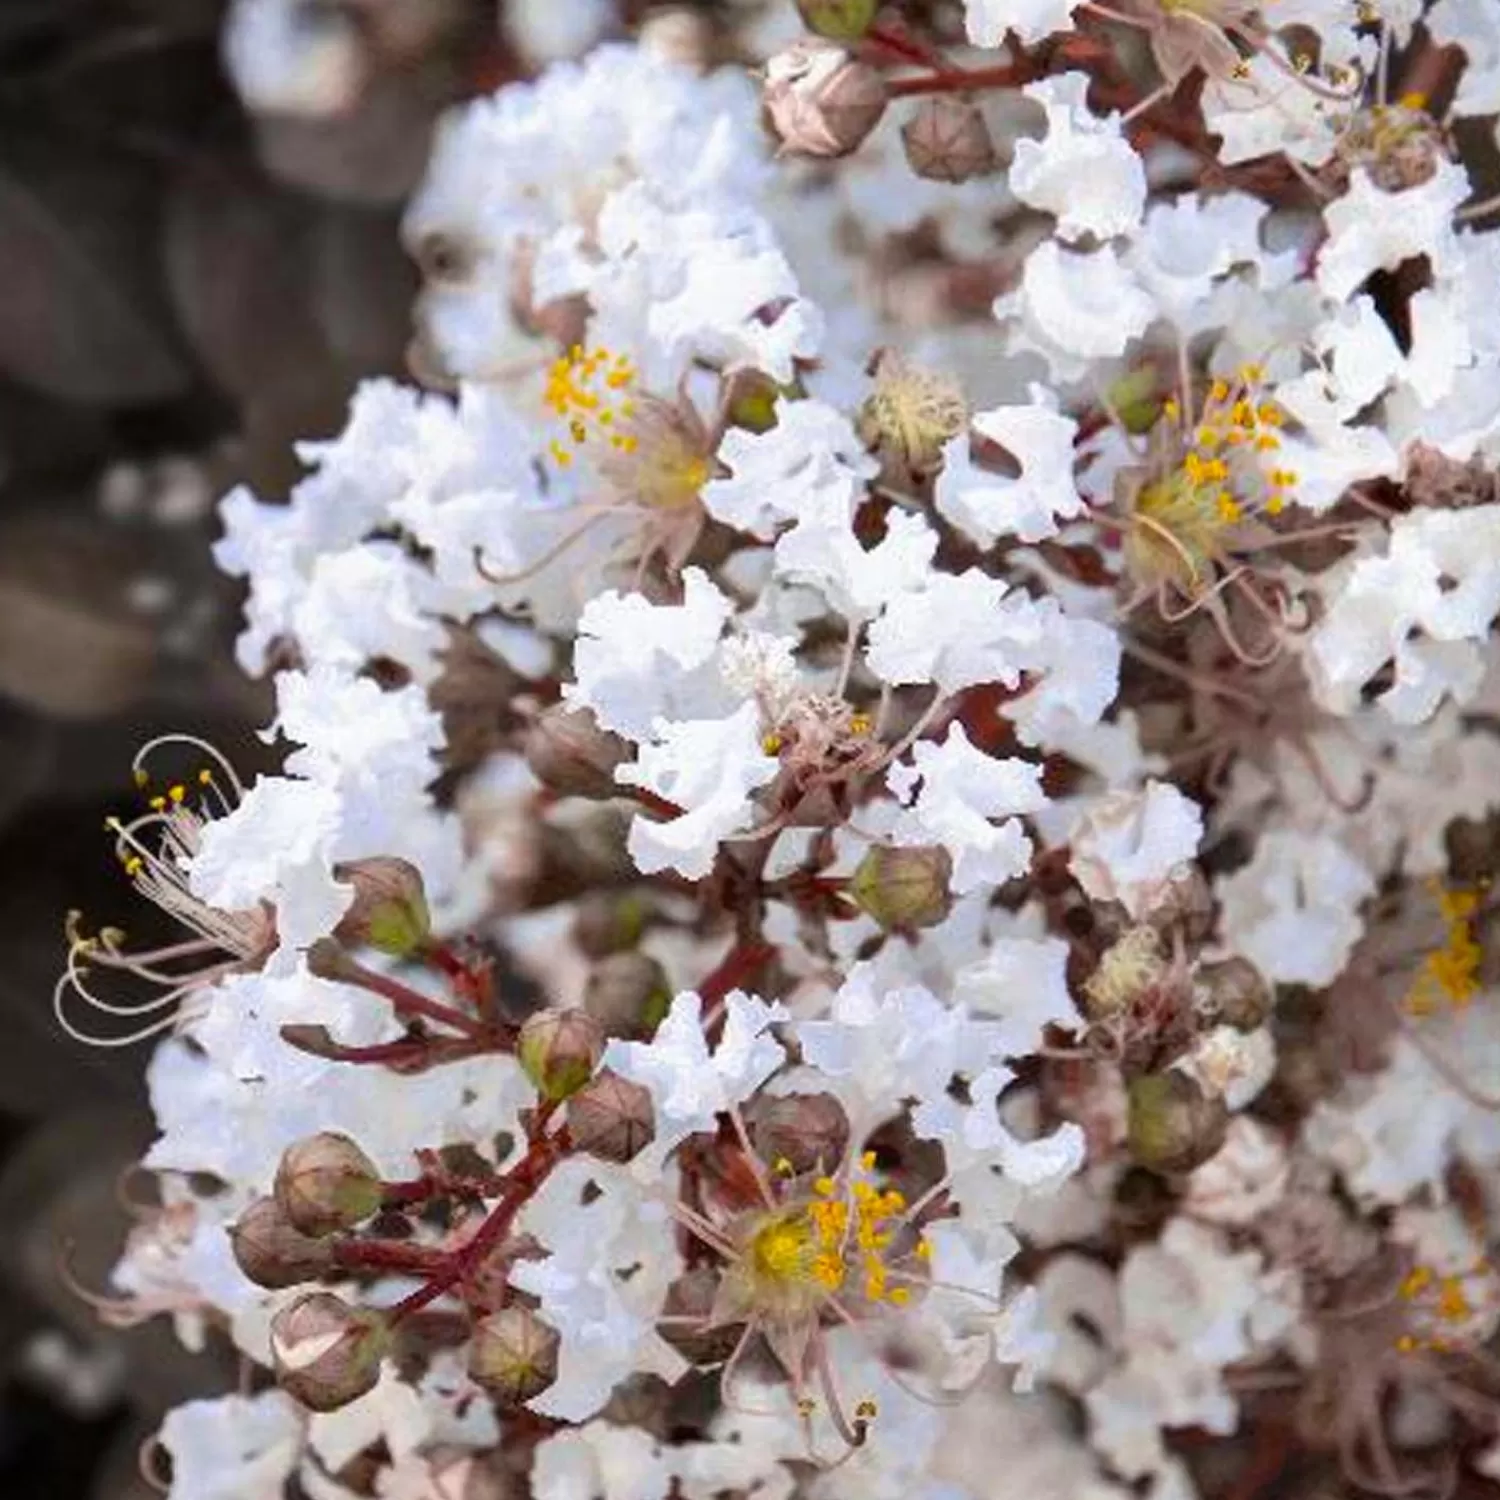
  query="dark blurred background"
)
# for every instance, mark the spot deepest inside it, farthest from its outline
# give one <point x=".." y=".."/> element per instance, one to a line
<point x="186" y="288"/>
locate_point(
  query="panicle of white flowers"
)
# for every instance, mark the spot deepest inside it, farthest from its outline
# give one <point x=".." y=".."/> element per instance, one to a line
<point x="979" y="587"/>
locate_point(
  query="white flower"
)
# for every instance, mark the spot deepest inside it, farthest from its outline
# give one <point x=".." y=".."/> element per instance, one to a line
<point x="1076" y="307"/>
<point x="1022" y="983"/>
<point x="1370" y="229"/>
<point x="1426" y="605"/>
<point x="1084" y="173"/>
<point x="823" y="552"/>
<point x="772" y="472"/>
<point x="708" y="768"/>
<point x="634" y="659"/>
<point x="1130" y="845"/>
<point x="233" y="1447"/>
<point x="610" y="1258"/>
<point x="690" y="1084"/>
<point x="1474" y="26"/>
<point x="987" y="505"/>
<point x="956" y="631"/>
<point x="987" y="21"/>
<point x="958" y="791"/>
<point x="1293" y="911"/>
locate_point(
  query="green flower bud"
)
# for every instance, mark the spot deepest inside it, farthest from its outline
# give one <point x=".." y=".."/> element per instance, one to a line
<point x="559" y="1050"/>
<point x="326" y="1353"/>
<point x="513" y="1355"/>
<point x="389" y="912"/>
<point x="611" y="1118"/>
<point x="903" y="888"/>
<point x="947" y="140"/>
<point x="838" y="20"/>
<point x="1173" y="1126"/>
<point x="1234" y="992"/>
<point x="628" y="994"/>
<point x="326" y="1183"/>
<point x="272" y="1251"/>
<point x="569" y="753"/>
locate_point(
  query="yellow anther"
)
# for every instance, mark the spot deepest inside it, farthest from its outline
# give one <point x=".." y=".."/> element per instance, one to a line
<point x="825" y="1187"/>
<point x="159" y="804"/>
<point x="866" y="1410"/>
<point x="142" y="780"/>
<point x="177" y="793"/>
<point x="1414" y="101"/>
<point x="867" y="1161"/>
<point x="861" y="724"/>
<point x="782" y="1167"/>
<point x="134" y="865"/>
<point x="771" y="743"/>
<point x="1416" y="1282"/>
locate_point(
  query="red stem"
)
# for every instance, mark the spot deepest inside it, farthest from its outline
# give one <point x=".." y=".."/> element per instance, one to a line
<point x="737" y="966"/>
<point x="519" y="1184"/>
<point x="390" y="1255"/>
<point x="409" y="1002"/>
<point x="962" y="80"/>
<point x="905" y="47"/>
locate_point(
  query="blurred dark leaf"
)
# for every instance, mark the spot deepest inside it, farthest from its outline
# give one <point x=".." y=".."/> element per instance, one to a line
<point x="71" y="645"/>
<point x="364" y="284"/>
<point x="236" y="263"/>
<point x="374" y="154"/>
<point x="83" y="316"/>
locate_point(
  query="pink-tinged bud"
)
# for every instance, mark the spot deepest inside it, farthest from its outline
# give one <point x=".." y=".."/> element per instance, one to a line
<point x="273" y="1252"/>
<point x="628" y="994"/>
<point x="703" y="1341"/>
<point x="569" y="753"/>
<point x="611" y="1118"/>
<point x="326" y="1353"/>
<point x="326" y="1183"/>
<point x="947" y="140"/>
<point x="389" y="911"/>
<point x="559" y="1050"/>
<point x="799" y="1133"/>
<point x="1173" y="1126"/>
<point x="513" y="1355"/>
<point x="822" y="101"/>
<point x="838" y="20"/>
<point x="1234" y="992"/>
<point x="903" y="888"/>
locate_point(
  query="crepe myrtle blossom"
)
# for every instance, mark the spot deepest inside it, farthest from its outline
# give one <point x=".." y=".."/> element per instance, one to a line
<point x="885" y="793"/>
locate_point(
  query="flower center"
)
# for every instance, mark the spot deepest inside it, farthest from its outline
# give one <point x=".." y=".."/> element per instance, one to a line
<point x="649" y="450"/>
<point x="1210" y="474"/>
<point x="822" y="1245"/>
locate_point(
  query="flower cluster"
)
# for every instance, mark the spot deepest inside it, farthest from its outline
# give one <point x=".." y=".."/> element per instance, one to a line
<point x="882" y="875"/>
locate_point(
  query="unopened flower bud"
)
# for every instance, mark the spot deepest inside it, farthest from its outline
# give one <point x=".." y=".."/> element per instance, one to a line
<point x="1173" y="1126"/>
<point x="822" y="101"/>
<point x="513" y="1355"/>
<point x="628" y="994"/>
<point x="947" y="140"/>
<point x="838" y="20"/>
<point x="559" y="1050"/>
<point x="568" y="752"/>
<point x="611" y="1117"/>
<point x="903" y="888"/>
<point x="702" y="1341"/>
<point x="389" y="911"/>
<point x="798" y="1133"/>
<point x="911" y="415"/>
<point x="327" y="1353"/>
<point x="606" y="922"/>
<point x="326" y="1183"/>
<point x="272" y="1251"/>
<point x="1234" y="992"/>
